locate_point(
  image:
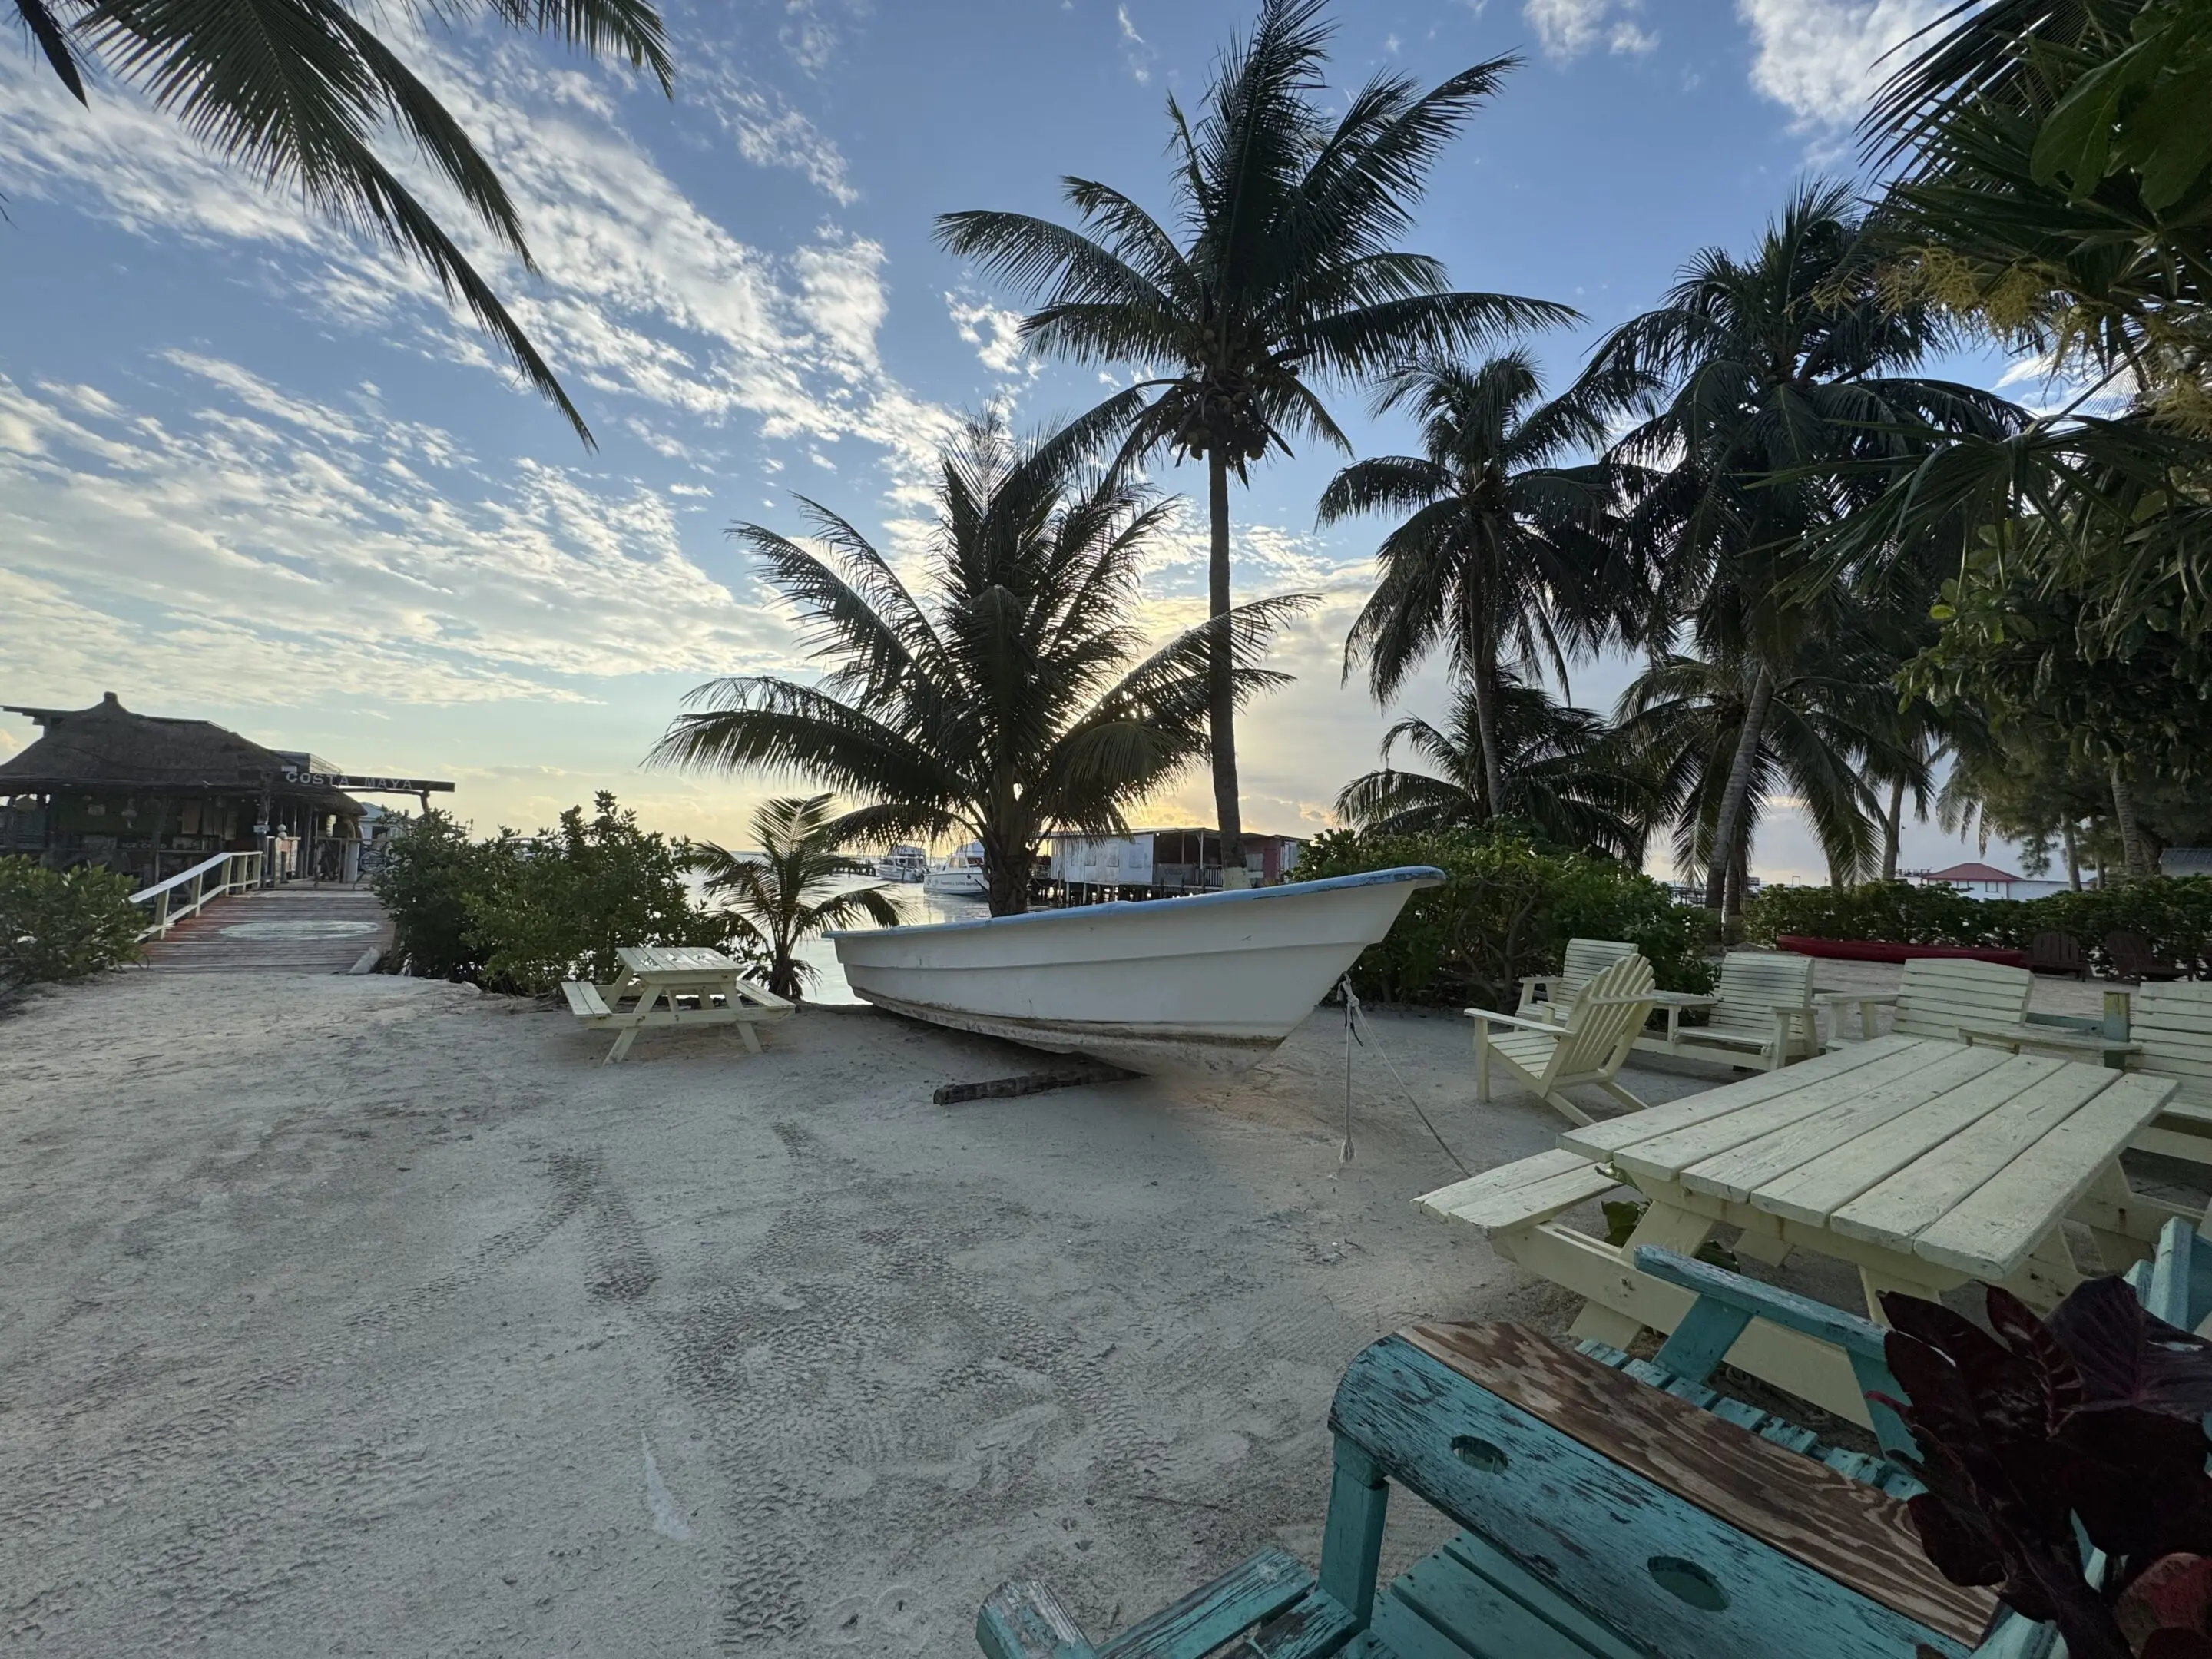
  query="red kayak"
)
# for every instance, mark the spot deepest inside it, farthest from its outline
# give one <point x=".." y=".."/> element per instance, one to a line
<point x="1877" y="949"/>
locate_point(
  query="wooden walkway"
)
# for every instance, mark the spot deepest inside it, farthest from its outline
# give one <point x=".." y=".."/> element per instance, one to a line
<point x="303" y="928"/>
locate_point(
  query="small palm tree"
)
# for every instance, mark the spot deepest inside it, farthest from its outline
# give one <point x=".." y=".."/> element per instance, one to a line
<point x="1500" y="551"/>
<point x="776" y="901"/>
<point x="1820" y="738"/>
<point x="1564" y="776"/>
<point x="1286" y="274"/>
<point x="1012" y="697"/>
<point x="296" y="90"/>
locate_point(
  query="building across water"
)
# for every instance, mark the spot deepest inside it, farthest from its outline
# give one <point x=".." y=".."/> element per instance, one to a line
<point x="151" y="796"/>
<point x="1156" y="863"/>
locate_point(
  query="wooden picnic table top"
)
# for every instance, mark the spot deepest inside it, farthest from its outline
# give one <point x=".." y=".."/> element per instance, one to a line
<point x="677" y="961"/>
<point x="1968" y="1157"/>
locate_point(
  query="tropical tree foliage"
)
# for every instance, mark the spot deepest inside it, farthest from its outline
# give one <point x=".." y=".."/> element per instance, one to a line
<point x="792" y="891"/>
<point x="1013" y="695"/>
<point x="297" y="93"/>
<point x="1563" y="776"/>
<point x="1501" y="553"/>
<point x="1781" y="395"/>
<point x="1280" y="275"/>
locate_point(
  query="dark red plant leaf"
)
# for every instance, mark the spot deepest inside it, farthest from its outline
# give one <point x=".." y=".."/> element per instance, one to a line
<point x="2126" y="1358"/>
<point x="2171" y="1643"/>
<point x="2174" y="1590"/>
<point x="2024" y="1334"/>
<point x="1956" y="1539"/>
<point x="2137" y="1479"/>
<point x="2008" y="1392"/>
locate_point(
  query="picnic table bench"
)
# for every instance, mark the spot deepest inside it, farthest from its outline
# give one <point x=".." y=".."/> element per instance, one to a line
<point x="1609" y="1508"/>
<point x="658" y="980"/>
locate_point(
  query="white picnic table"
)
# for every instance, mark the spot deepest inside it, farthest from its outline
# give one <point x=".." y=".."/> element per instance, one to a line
<point x="658" y="980"/>
<point x="1920" y="1162"/>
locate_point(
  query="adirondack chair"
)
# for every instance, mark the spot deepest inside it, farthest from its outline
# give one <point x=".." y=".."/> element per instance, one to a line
<point x="1762" y="1009"/>
<point x="2174" y="1022"/>
<point x="1549" y="996"/>
<point x="1587" y="1046"/>
<point x="1937" y="994"/>
<point x="2053" y="953"/>
<point x="1613" y="1508"/>
<point x="2133" y="958"/>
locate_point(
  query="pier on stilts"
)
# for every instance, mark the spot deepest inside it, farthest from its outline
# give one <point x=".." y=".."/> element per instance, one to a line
<point x="300" y="927"/>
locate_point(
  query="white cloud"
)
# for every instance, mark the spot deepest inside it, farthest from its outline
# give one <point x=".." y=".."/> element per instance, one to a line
<point x="1136" y="53"/>
<point x="996" y="334"/>
<point x="770" y="133"/>
<point x="1821" y="59"/>
<point x="1567" y="28"/>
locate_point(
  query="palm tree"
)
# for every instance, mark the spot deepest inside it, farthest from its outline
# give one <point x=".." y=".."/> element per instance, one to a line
<point x="776" y="901"/>
<point x="1500" y="551"/>
<point x="1564" y="776"/>
<point x="1013" y="697"/>
<point x="294" y="90"/>
<point x="1285" y="276"/>
<point x="1821" y="736"/>
<point x="1781" y="400"/>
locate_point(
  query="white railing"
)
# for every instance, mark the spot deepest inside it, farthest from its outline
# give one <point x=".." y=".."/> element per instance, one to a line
<point x="189" y="891"/>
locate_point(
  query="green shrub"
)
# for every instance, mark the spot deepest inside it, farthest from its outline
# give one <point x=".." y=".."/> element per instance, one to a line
<point x="559" y="907"/>
<point x="64" y="923"/>
<point x="1507" y="910"/>
<point x="522" y="913"/>
<point x="431" y="871"/>
<point x="2175" y="916"/>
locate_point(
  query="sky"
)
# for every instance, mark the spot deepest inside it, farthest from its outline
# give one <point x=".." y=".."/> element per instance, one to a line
<point x="255" y="472"/>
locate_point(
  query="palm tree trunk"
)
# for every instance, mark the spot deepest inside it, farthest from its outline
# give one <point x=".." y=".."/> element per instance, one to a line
<point x="1739" y="890"/>
<point x="1221" y="683"/>
<point x="1006" y="878"/>
<point x="2131" y="841"/>
<point x="2072" y="860"/>
<point x="1896" y="824"/>
<point x="1728" y="833"/>
<point x="1485" y="725"/>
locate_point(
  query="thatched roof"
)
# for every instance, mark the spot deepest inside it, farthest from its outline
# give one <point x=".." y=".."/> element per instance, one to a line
<point x="107" y="747"/>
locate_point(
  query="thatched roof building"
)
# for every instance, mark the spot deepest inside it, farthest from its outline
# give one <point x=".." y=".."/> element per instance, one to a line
<point x="150" y="795"/>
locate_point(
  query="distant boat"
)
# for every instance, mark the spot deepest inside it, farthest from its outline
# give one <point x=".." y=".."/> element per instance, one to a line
<point x="960" y="876"/>
<point x="1209" y="984"/>
<point x="902" y="864"/>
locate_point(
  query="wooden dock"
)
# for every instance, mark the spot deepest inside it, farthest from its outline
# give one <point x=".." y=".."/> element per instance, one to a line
<point x="304" y="928"/>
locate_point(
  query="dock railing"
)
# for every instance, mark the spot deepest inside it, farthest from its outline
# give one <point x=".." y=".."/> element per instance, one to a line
<point x="190" y="891"/>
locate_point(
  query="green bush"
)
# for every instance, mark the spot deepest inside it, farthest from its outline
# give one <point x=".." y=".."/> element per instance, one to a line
<point x="2175" y="916"/>
<point x="431" y="870"/>
<point x="64" y="923"/>
<point x="1507" y="910"/>
<point x="522" y="913"/>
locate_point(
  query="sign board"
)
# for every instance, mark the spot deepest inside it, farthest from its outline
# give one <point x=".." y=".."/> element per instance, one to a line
<point x="1103" y="860"/>
<point x="370" y="785"/>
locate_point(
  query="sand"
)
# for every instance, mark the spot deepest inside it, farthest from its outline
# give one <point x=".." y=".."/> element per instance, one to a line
<point x="373" y="1316"/>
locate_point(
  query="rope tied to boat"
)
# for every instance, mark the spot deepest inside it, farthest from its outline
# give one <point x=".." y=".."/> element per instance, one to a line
<point x="1357" y="1030"/>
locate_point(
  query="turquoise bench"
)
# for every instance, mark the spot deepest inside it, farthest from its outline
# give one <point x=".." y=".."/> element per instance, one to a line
<point x="1610" y="1508"/>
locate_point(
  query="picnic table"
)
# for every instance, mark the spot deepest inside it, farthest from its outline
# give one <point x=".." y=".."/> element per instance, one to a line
<point x="659" y="981"/>
<point x="1920" y="1162"/>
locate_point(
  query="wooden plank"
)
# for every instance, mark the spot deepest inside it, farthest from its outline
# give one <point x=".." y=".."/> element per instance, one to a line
<point x="1891" y="1210"/>
<point x="1811" y="1370"/>
<point x="1836" y="1557"/>
<point x="1742" y="1170"/>
<point x="1025" y="1620"/>
<point x="1990" y="1233"/>
<point x="1661" y="1157"/>
<point x="1602" y="1140"/>
<point x="1253" y="1590"/>
<point x="1495" y="1205"/>
<point x="1458" y="1610"/>
<point x="1816" y="1189"/>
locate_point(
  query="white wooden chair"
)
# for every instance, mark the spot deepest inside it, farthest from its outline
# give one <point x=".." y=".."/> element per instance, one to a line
<point x="1938" y="995"/>
<point x="1549" y="996"/>
<point x="1587" y="1046"/>
<point x="1762" y="1011"/>
<point x="2174" y="1022"/>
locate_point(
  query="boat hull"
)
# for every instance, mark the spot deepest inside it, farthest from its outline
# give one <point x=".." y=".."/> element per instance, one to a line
<point x="1206" y="986"/>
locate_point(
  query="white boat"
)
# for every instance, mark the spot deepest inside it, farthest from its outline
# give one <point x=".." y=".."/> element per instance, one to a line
<point x="902" y="864"/>
<point x="1208" y="984"/>
<point x="960" y="876"/>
